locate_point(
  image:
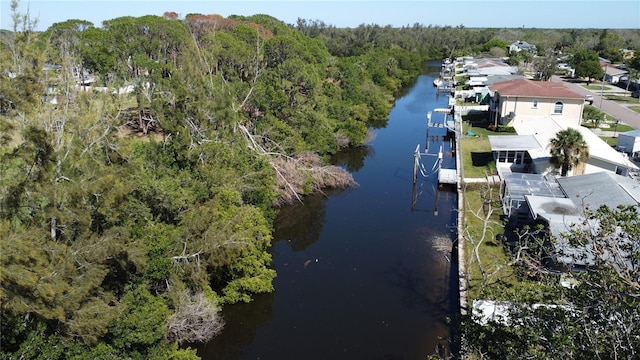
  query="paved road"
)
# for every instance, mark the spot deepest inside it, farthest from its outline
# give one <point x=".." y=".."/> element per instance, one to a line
<point x="612" y="108"/>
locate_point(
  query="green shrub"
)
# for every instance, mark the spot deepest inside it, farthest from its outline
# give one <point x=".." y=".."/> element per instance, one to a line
<point x="506" y="129"/>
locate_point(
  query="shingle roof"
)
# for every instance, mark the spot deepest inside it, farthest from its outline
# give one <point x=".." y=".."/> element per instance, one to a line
<point x="522" y="45"/>
<point x="632" y="133"/>
<point x="601" y="188"/>
<point x="530" y="88"/>
<point x="612" y="70"/>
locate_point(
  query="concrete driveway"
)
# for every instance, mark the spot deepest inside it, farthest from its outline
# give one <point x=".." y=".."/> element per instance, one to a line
<point x="612" y="108"/>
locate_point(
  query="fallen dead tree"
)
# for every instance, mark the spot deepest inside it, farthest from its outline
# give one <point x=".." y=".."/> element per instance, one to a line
<point x="305" y="174"/>
<point x="301" y="174"/>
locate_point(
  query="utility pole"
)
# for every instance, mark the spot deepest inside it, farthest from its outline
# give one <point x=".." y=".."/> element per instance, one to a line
<point x="602" y="88"/>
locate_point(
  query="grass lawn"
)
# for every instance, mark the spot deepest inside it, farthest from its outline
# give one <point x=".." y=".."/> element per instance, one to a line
<point x="635" y="108"/>
<point x="611" y="141"/>
<point x="619" y="128"/>
<point x="490" y="252"/>
<point x="596" y="87"/>
<point x="621" y="99"/>
<point x="500" y="281"/>
<point x="477" y="159"/>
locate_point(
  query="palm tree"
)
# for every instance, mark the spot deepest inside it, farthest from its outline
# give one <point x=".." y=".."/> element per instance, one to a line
<point x="568" y="149"/>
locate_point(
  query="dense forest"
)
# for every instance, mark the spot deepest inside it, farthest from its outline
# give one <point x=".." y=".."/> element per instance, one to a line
<point x="133" y="209"/>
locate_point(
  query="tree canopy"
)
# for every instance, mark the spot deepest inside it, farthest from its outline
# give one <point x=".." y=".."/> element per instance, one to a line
<point x="587" y="64"/>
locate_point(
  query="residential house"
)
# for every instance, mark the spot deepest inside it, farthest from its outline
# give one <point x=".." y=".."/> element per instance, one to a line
<point x="602" y="157"/>
<point x="629" y="143"/>
<point x="522" y="46"/>
<point x="559" y="203"/>
<point x="500" y="78"/>
<point x="538" y="111"/>
<point x="613" y="73"/>
<point x="488" y="67"/>
<point x="524" y="100"/>
<point x="628" y="54"/>
<point x="512" y="153"/>
<point x="483" y="71"/>
<point x="559" y="214"/>
<point x="568" y="70"/>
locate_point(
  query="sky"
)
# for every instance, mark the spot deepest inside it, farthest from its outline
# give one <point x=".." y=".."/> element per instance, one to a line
<point x="598" y="14"/>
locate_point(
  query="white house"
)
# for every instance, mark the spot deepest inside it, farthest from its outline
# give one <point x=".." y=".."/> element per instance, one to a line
<point x="489" y="67"/>
<point x="613" y="74"/>
<point x="602" y="157"/>
<point x="522" y="46"/>
<point x="629" y="142"/>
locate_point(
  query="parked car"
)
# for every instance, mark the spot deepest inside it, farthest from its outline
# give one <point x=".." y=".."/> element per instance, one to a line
<point x="589" y="98"/>
<point x="635" y="93"/>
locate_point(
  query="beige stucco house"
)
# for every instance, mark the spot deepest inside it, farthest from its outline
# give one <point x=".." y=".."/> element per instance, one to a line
<point x="538" y="111"/>
<point x="519" y="100"/>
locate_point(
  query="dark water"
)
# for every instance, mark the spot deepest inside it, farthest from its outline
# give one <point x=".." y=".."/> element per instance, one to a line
<point x="359" y="272"/>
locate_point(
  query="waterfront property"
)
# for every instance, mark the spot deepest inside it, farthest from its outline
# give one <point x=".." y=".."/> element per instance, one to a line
<point x="538" y="111"/>
<point x="524" y="100"/>
<point x="534" y="197"/>
<point x="559" y="204"/>
<point x="602" y="157"/>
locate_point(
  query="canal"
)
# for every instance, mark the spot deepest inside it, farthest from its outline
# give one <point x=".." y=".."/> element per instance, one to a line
<point x="363" y="273"/>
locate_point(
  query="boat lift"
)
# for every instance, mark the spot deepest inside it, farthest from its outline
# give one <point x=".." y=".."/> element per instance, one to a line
<point x="418" y="167"/>
<point x="444" y="176"/>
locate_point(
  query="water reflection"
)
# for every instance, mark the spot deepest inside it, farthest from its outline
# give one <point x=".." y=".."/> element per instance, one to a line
<point x="417" y="291"/>
<point x="353" y="159"/>
<point x="300" y="225"/>
<point x="241" y="324"/>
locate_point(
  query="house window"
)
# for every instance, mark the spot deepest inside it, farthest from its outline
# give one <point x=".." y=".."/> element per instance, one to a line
<point x="558" y="108"/>
<point x="502" y="156"/>
<point x="535" y="103"/>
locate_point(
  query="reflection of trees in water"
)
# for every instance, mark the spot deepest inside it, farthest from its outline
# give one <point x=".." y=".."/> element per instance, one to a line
<point x="301" y="224"/>
<point x="242" y="320"/>
<point x="419" y="292"/>
<point x="352" y="159"/>
<point x="430" y="296"/>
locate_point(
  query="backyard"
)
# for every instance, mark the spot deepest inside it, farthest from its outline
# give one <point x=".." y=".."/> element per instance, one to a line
<point x="477" y="158"/>
<point x="488" y="271"/>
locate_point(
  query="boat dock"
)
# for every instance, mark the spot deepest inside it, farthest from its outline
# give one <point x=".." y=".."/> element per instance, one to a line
<point x="448" y="121"/>
<point x="446" y="86"/>
<point x="447" y="176"/>
<point x="446" y="82"/>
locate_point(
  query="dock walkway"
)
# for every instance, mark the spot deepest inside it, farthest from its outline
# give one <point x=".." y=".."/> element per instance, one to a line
<point x="447" y="176"/>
